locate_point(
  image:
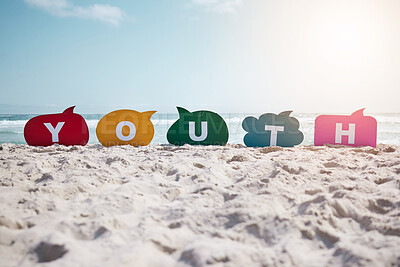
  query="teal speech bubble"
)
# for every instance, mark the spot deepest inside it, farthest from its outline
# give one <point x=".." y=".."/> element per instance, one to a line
<point x="272" y="130"/>
<point x="198" y="128"/>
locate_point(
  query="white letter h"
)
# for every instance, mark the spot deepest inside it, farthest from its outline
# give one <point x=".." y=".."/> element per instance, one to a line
<point x="351" y="133"/>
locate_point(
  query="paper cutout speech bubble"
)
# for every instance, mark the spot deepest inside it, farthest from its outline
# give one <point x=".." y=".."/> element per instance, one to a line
<point x="272" y="130"/>
<point x="354" y="130"/>
<point x="198" y="128"/>
<point x="67" y="128"/>
<point x="125" y="127"/>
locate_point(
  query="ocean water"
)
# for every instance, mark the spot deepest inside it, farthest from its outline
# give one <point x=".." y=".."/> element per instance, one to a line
<point x="12" y="127"/>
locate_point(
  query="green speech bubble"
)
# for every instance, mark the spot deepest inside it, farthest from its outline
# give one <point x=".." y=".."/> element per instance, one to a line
<point x="198" y="128"/>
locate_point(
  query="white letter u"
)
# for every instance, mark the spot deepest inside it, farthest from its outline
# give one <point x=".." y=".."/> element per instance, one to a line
<point x="192" y="131"/>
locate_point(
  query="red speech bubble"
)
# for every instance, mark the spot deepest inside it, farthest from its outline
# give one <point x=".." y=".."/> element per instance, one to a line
<point x="67" y="128"/>
<point x="354" y="130"/>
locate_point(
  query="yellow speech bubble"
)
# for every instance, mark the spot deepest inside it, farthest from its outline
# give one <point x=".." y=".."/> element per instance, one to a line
<point x="125" y="127"/>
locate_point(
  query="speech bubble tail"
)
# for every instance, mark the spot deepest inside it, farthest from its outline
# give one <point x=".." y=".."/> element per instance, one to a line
<point x="182" y="111"/>
<point x="148" y="114"/>
<point x="285" y="113"/>
<point x="69" y="110"/>
<point x="358" y="113"/>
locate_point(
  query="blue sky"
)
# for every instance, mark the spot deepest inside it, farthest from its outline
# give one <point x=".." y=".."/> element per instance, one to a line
<point x="222" y="55"/>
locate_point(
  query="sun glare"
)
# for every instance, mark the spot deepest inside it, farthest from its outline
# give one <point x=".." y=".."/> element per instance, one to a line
<point x="345" y="37"/>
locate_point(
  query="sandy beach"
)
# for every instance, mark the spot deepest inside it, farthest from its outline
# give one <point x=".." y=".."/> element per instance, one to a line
<point x="165" y="205"/>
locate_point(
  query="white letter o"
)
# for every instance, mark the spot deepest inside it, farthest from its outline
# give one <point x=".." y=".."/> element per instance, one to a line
<point x="132" y="131"/>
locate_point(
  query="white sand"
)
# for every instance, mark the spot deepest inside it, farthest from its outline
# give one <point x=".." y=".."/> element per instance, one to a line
<point x="177" y="206"/>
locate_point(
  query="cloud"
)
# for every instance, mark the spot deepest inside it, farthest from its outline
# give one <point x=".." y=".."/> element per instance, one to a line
<point x="272" y="130"/>
<point x="64" y="8"/>
<point x="219" y="6"/>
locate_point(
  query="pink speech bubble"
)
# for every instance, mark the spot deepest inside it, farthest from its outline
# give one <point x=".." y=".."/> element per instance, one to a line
<point x="354" y="130"/>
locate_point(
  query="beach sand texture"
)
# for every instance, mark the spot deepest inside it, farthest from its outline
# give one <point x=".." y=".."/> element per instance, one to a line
<point x="164" y="205"/>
